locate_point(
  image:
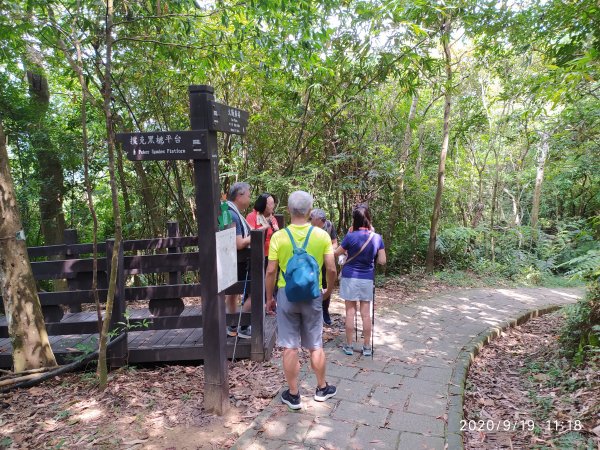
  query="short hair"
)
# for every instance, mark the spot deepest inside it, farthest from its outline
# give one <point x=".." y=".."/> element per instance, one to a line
<point x="300" y="203"/>
<point x="261" y="202"/>
<point x="318" y="214"/>
<point x="237" y="189"/>
<point x="361" y="217"/>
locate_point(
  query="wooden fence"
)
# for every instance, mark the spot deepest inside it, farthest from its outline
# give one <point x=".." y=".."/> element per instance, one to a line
<point x="165" y="330"/>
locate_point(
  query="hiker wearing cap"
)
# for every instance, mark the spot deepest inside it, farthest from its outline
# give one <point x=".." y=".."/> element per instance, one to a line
<point x="299" y="298"/>
<point x="238" y="201"/>
<point x="362" y="247"/>
<point x="318" y="218"/>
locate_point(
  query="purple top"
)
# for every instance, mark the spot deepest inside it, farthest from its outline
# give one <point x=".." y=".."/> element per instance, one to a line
<point x="363" y="266"/>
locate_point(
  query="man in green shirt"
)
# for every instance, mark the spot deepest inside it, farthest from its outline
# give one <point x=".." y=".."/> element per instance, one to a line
<point x="300" y="323"/>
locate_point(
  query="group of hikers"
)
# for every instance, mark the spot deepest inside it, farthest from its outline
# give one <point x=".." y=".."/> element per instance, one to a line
<point x="307" y="247"/>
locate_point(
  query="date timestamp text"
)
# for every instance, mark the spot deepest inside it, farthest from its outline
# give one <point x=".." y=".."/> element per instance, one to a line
<point x="520" y="425"/>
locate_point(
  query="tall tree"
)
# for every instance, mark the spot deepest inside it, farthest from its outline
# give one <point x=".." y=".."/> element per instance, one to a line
<point x="50" y="171"/>
<point x="437" y="204"/>
<point x="31" y="347"/>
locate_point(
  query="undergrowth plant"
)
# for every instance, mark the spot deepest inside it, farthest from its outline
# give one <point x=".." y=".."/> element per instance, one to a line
<point x="580" y="335"/>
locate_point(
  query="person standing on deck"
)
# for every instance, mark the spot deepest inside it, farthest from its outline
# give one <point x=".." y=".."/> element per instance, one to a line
<point x="238" y="201"/>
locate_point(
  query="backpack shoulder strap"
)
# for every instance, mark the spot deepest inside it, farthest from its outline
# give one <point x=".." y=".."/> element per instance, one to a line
<point x="307" y="236"/>
<point x="291" y="238"/>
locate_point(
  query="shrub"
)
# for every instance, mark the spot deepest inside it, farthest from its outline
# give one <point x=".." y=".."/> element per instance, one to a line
<point x="581" y="331"/>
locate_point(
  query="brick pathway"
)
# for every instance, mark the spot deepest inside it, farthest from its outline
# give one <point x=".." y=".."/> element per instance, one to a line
<point x="410" y="395"/>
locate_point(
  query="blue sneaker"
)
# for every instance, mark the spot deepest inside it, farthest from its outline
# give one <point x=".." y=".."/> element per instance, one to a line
<point x="348" y="349"/>
<point x="245" y="332"/>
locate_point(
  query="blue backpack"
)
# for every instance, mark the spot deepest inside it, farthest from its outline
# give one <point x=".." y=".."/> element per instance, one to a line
<point x="302" y="275"/>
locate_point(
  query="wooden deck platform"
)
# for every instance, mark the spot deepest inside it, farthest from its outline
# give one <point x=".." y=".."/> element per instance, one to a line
<point x="183" y="344"/>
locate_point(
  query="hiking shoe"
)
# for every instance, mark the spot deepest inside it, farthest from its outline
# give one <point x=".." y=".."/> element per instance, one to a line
<point x="293" y="401"/>
<point x="367" y="351"/>
<point x="232" y="331"/>
<point x="322" y="394"/>
<point x="245" y="332"/>
<point x="348" y="349"/>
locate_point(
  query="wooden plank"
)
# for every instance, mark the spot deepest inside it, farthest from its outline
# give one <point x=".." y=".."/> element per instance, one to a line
<point x="153" y="336"/>
<point x="160" y="243"/>
<point x="180" y="336"/>
<point x="62" y="249"/>
<point x="146" y="355"/>
<point x="159" y="292"/>
<point x="194" y="339"/>
<point x="133" y="337"/>
<point x="140" y="337"/>
<point x="85" y="316"/>
<point x="257" y="243"/>
<point x="64" y="268"/>
<point x="181" y="262"/>
<point x="158" y="338"/>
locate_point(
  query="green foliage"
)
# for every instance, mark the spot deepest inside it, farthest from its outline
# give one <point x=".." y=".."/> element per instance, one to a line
<point x="329" y="86"/>
<point x="581" y="332"/>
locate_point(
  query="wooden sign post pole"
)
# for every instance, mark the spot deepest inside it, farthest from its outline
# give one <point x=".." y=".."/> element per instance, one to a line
<point x="208" y="197"/>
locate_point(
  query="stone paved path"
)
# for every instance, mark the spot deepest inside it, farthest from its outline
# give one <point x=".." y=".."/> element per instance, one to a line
<point x="410" y="395"/>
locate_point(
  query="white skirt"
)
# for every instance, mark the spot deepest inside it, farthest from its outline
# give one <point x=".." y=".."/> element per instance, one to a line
<point x="356" y="289"/>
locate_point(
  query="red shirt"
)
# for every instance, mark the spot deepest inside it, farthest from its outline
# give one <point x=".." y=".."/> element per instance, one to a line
<point x="252" y="221"/>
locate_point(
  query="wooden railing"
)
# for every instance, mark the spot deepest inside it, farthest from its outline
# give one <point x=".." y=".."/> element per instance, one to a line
<point x="72" y="261"/>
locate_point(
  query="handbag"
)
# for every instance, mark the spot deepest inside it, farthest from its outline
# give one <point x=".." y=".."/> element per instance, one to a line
<point x="355" y="255"/>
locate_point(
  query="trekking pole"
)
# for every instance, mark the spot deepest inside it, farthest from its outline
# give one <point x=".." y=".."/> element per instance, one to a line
<point x="240" y="315"/>
<point x="356" y="322"/>
<point x="373" y="324"/>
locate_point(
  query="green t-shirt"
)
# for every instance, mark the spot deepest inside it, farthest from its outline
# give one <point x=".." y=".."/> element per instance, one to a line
<point x="281" y="249"/>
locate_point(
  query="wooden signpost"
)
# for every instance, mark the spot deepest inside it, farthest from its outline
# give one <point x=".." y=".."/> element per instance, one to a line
<point x="207" y="117"/>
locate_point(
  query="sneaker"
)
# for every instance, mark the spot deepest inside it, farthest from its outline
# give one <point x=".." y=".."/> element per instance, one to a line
<point x="245" y="332"/>
<point x="293" y="401"/>
<point x="367" y="351"/>
<point x="322" y="394"/>
<point x="348" y="349"/>
<point x="232" y="331"/>
<point x="327" y="321"/>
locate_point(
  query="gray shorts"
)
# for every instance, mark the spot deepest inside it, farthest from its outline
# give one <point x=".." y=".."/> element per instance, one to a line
<point x="299" y="324"/>
<point x="356" y="289"/>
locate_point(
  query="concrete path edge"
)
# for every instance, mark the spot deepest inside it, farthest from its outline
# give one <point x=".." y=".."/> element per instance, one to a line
<point x="454" y="435"/>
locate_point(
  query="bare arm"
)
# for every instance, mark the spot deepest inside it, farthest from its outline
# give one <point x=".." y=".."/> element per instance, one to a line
<point x="339" y="251"/>
<point x="331" y="273"/>
<point x="241" y="242"/>
<point x="381" y="258"/>
<point x="270" y="284"/>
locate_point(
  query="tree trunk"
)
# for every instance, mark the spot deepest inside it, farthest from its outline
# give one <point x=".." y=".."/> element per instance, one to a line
<point x="149" y="200"/>
<point x="102" y="369"/>
<point x="31" y="347"/>
<point x="420" y="153"/>
<point x="542" y="156"/>
<point x="399" y="191"/>
<point x="437" y="204"/>
<point x="49" y="173"/>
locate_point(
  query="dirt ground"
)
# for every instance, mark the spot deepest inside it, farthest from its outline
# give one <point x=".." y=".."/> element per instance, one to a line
<point x="522" y="393"/>
<point x="158" y="407"/>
